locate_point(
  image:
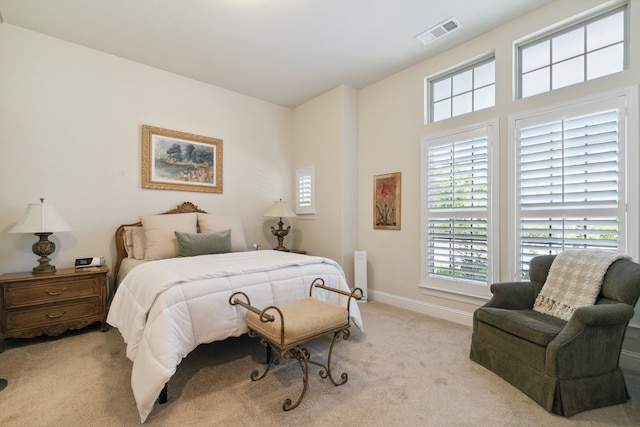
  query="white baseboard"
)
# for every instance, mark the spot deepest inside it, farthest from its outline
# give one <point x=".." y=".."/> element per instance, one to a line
<point x="441" y="312"/>
<point x="629" y="360"/>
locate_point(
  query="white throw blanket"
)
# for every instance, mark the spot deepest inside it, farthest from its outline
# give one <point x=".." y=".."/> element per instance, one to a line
<point x="164" y="309"/>
<point x="574" y="280"/>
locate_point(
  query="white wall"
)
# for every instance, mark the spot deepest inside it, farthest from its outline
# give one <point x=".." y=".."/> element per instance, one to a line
<point x="70" y="121"/>
<point x="391" y="116"/>
<point x="324" y="135"/>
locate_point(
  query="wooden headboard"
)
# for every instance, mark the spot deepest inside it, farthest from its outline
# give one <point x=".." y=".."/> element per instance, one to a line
<point x="121" y="251"/>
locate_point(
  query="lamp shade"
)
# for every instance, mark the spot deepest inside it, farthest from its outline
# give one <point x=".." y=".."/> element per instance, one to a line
<point x="41" y="218"/>
<point x="279" y="209"/>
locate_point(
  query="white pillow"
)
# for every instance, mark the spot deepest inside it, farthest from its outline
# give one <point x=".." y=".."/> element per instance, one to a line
<point x="128" y="241"/>
<point x="159" y="237"/>
<point x="134" y="242"/>
<point x="137" y="239"/>
<point x="213" y="223"/>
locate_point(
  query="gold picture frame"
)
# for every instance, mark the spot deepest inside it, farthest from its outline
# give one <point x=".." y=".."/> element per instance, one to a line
<point x="174" y="160"/>
<point x="386" y="201"/>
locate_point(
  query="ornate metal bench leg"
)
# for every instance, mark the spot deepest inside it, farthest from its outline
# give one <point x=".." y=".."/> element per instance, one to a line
<point x="326" y="370"/>
<point x="255" y="375"/>
<point x="344" y="376"/>
<point x="302" y="355"/>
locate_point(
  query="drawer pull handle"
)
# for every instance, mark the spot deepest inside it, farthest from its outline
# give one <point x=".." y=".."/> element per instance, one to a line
<point x="55" y="316"/>
<point x="53" y="294"/>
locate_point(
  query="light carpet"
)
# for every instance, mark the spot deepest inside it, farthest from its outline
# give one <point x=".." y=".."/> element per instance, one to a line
<point x="406" y="369"/>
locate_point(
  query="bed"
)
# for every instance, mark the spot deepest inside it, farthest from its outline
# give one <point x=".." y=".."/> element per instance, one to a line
<point x="174" y="274"/>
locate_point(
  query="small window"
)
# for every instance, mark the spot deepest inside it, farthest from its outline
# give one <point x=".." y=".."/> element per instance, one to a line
<point x="463" y="91"/>
<point x="305" y="195"/>
<point x="585" y="51"/>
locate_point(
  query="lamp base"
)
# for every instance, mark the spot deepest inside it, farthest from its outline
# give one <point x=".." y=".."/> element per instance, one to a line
<point x="44" y="247"/>
<point x="44" y="268"/>
<point x="280" y="233"/>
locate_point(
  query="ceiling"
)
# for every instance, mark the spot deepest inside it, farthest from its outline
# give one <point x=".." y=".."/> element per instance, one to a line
<point x="282" y="51"/>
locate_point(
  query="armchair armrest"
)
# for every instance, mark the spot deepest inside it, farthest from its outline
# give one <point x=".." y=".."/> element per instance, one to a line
<point x="604" y="314"/>
<point x="574" y="350"/>
<point x="513" y="295"/>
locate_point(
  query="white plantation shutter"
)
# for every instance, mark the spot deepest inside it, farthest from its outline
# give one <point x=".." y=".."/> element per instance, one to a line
<point x="305" y="194"/>
<point x="304" y="191"/>
<point x="457" y="209"/>
<point x="569" y="182"/>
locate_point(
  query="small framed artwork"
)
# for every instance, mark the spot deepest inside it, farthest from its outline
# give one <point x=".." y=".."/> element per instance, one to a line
<point x="386" y="201"/>
<point x="173" y="160"/>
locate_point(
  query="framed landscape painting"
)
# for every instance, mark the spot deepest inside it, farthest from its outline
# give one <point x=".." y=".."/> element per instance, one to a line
<point x="386" y="201"/>
<point x="173" y="160"/>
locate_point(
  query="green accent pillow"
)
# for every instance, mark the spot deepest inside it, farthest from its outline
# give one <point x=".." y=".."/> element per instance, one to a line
<point x="192" y="244"/>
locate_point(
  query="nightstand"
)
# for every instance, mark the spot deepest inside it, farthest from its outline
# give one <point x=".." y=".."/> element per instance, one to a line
<point x="36" y="304"/>
<point x="297" y="251"/>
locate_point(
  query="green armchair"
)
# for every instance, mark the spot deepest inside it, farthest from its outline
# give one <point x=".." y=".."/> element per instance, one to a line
<point x="565" y="366"/>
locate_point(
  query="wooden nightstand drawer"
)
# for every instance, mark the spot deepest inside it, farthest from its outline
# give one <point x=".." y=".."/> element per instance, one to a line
<point x="58" y="290"/>
<point x="29" y="318"/>
<point x="36" y="304"/>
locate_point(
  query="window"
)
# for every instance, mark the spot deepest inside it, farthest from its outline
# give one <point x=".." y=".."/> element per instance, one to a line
<point x="458" y="209"/>
<point x="585" y="51"/>
<point x="305" y="195"/>
<point x="463" y="91"/>
<point x="570" y="180"/>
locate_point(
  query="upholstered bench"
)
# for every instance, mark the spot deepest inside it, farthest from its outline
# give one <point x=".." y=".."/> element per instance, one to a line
<point x="284" y="329"/>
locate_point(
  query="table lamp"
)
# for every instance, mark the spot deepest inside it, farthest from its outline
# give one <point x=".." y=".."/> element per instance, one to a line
<point x="280" y="210"/>
<point x="42" y="219"/>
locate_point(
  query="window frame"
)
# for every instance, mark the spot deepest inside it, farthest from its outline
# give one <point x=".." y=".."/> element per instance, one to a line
<point x="451" y="73"/>
<point x="455" y="289"/>
<point x="559" y="30"/>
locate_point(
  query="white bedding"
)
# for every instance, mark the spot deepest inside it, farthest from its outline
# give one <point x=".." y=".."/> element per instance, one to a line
<point x="164" y="309"/>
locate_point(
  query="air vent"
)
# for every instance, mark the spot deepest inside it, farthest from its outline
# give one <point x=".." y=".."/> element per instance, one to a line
<point x="439" y="30"/>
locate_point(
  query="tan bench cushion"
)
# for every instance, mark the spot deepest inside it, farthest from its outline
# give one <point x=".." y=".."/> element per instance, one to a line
<point x="303" y="319"/>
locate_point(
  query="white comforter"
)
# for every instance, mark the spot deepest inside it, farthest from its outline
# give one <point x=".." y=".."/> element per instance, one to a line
<point x="164" y="309"/>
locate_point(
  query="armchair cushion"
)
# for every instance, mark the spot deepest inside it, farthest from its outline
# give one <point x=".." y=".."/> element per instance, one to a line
<point x="529" y="325"/>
